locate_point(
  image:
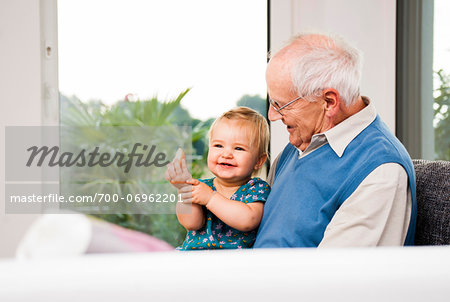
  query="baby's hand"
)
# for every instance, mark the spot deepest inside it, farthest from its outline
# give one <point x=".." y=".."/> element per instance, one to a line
<point x="201" y="193"/>
<point x="177" y="172"/>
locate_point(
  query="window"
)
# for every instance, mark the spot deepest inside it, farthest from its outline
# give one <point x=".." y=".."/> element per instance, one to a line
<point x="117" y="59"/>
<point x="422" y="78"/>
<point x="115" y="50"/>
<point x="441" y="84"/>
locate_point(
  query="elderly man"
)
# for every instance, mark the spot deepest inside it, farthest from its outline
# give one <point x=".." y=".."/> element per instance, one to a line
<point x="344" y="179"/>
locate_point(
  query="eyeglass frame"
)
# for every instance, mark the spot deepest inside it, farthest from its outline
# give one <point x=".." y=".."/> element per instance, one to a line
<point x="272" y="103"/>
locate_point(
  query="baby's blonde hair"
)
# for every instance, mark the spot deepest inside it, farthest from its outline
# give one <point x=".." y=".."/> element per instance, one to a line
<point x="258" y="126"/>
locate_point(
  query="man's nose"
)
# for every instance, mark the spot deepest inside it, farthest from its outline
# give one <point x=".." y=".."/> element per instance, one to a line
<point x="273" y="115"/>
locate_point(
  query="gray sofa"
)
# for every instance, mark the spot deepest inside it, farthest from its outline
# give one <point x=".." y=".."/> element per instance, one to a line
<point x="433" y="202"/>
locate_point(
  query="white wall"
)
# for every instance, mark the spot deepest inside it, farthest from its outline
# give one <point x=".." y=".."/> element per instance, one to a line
<point x="369" y="24"/>
<point x="20" y="87"/>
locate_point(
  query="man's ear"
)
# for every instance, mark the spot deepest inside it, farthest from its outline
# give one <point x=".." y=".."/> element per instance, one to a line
<point x="332" y="101"/>
<point x="260" y="162"/>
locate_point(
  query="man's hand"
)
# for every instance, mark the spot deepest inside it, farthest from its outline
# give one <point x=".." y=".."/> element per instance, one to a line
<point x="177" y="173"/>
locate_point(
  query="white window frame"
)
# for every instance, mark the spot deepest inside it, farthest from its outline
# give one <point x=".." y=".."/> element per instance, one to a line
<point x="49" y="62"/>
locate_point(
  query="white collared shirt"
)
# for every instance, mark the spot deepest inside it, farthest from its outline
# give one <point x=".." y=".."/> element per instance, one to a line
<point x="379" y="210"/>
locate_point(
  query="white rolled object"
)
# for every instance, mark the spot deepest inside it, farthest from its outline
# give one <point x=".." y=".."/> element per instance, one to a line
<point x="56" y="235"/>
<point x="66" y="235"/>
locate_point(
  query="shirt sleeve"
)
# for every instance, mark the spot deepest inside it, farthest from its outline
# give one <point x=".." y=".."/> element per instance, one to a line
<point x="258" y="191"/>
<point x="376" y="214"/>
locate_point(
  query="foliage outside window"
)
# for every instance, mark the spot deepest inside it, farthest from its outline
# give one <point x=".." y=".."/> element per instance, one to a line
<point x="152" y="112"/>
<point x="441" y="65"/>
<point x="441" y="116"/>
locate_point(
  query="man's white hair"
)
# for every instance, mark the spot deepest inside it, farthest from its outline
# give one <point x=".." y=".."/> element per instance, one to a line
<point x="323" y="62"/>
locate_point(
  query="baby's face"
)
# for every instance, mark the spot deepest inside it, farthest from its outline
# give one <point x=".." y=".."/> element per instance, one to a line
<point x="230" y="156"/>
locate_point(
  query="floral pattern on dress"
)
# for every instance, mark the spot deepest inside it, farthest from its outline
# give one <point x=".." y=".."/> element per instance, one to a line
<point x="215" y="234"/>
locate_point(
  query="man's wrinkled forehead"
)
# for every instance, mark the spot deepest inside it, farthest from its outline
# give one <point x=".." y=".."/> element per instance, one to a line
<point x="281" y="63"/>
<point x="278" y="72"/>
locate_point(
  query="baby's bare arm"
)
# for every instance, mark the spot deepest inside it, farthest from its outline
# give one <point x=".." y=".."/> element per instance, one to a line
<point x="241" y="216"/>
<point x="191" y="216"/>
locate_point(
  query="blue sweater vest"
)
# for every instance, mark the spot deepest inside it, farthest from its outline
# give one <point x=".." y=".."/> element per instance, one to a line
<point x="307" y="192"/>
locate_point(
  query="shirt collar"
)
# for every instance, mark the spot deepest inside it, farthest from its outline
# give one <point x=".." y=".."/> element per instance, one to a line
<point x="343" y="133"/>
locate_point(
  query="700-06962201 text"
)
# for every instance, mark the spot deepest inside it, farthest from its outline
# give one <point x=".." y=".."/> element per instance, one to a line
<point x="97" y="198"/>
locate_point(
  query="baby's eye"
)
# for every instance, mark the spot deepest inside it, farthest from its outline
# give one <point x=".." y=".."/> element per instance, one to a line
<point x="239" y="149"/>
<point x="217" y="146"/>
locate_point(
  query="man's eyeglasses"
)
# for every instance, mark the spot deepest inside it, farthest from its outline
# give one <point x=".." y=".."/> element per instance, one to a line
<point x="277" y="107"/>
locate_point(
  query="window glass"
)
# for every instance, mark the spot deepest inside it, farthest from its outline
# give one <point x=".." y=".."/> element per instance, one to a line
<point x="118" y="58"/>
<point x="111" y="49"/>
<point x="441" y="67"/>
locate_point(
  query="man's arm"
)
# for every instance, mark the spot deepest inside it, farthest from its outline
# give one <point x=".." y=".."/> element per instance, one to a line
<point x="377" y="213"/>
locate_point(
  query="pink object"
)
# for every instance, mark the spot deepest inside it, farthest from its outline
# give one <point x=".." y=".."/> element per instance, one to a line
<point x="111" y="238"/>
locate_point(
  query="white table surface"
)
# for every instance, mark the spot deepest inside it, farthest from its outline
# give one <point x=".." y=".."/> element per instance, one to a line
<point x="360" y="274"/>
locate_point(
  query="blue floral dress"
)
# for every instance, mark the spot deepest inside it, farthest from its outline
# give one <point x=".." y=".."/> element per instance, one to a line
<point x="215" y="234"/>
